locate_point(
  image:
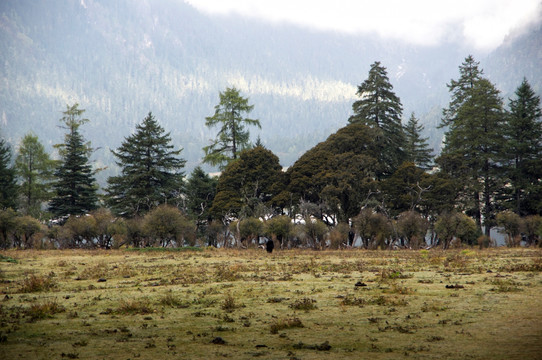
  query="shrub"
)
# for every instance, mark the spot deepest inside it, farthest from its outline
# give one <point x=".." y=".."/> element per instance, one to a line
<point x="314" y="230"/>
<point x="353" y="301"/>
<point x="172" y="301"/>
<point x="108" y="227"/>
<point x="36" y="283"/>
<point x="512" y="224"/>
<point x="83" y="230"/>
<point x="532" y="226"/>
<point x="502" y="286"/>
<point x="26" y="228"/>
<point x="279" y="226"/>
<point x="484" y="241"/>
<point x="213" y="232"/>
<point x="8" y="225"/>
<point x="285" y="323"/>
<point x="374" y="228"/>
<point x="392" y="274"/>
<point x="96" y="271"/>
<point x="229" y="304"/>
<point x="412" y="227"/>
<point x="44" y="310"/>
<point x="9" y="259"/>
<point x="225" y="272"/>
<point x="166" y="225"/>
<point x="339" y="236"/>
<point x="383" y="300"/>
<point x="456" y="225"/>
<point x="250" y="229"/>
<point x="303" y="304"/>
<point x="135" y="307"/>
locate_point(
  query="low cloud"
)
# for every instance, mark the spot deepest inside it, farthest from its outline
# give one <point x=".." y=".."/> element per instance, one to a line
<point x="482" y="24"/>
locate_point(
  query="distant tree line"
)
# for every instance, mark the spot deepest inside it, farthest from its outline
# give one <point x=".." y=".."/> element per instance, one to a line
<point x="374" y="183"/>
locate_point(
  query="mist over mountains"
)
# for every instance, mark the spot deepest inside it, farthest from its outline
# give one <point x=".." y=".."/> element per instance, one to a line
<point x="119" y="60"/>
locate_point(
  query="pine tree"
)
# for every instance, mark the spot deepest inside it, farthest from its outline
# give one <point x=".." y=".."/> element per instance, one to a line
<point x="75" y="187"/>
<point x="524" y="150"/>
<point x="232" y="137"/>
<point x="469" y="74"/>
<point x="475" y="117"/>
<point x="35" y="170"/>
<point x="416" y="148"/>
<point x="379" y="107"/>
<point x="149" y="168"/>
<point x="8" y="185"/>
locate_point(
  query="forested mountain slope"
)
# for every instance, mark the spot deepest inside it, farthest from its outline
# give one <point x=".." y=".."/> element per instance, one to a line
<point x="119" y="60"/>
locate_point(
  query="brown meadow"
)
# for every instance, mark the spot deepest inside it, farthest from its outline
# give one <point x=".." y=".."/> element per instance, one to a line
<point x="293" y="304"/>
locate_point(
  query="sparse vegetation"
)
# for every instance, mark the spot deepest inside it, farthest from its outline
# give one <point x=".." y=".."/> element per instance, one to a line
<point x="451" y="304"/>
<point x="128" y="307"/>
<point x="35" y="283"/>
<point x="285" y="323"/>
<point x="44" y="310"/>
<point x="303" y="304"/>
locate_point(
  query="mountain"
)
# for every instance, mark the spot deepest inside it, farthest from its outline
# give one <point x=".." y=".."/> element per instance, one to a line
<point x="121" y="59"/>
<point x="519" y="56"/>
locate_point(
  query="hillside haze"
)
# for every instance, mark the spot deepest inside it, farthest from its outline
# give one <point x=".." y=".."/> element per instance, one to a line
<point x="119" y="60"/>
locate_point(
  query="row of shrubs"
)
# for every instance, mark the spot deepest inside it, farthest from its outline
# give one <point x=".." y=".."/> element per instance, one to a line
<point x="167" y="226"/>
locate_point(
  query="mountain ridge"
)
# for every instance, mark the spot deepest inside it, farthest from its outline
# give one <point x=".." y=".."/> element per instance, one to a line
<point x="121" y="60"/>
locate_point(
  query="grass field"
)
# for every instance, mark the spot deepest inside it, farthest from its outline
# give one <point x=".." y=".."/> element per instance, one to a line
<point x="211" y="304"/>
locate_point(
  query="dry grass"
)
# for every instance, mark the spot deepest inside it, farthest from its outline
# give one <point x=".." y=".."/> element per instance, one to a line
<point x="455" y="304"/>
<point x="36" y="283"/>
<point x="44" y="310"/>
<point x="285" y="323"/>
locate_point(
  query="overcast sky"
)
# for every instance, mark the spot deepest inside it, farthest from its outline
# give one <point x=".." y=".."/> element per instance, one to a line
<point x="482" y="24"/>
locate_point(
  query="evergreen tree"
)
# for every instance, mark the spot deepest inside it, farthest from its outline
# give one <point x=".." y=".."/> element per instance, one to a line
<point x="416" y="148"/>
<point x="232" y="137"/>
<point x="75" y="187"/>
<point x="247" y="183"/>
<point x="379" y="107"/>
<point x="35" y="170"/>
<point x="200" y="192"/>
<point x="475" y="118"/>
<point x="8" y="185"/>
<point x="524" y="150"/>
<point x="150" y="171"/>
<point x="404" y="189"/>
<point x="469" y="74"/>
<point x="339" y="171"/>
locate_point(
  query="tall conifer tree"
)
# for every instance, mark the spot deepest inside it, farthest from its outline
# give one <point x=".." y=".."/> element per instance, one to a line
<point x="524" y="150"/>
<point x="416" y="148"/>
<point x="150" y="171"/>
<point x="475" y="141"/>
<point x="232" y="136"/>
<point x="8" y="185"/>
<point x="35" y="171"/>
<point x="75" y="187"/>
<point x="379" y="107"/>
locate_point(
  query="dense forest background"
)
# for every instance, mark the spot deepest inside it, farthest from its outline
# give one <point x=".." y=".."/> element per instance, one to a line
<point x="119" y="60"/>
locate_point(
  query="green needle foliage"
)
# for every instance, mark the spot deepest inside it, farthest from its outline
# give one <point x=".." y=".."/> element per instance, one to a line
<point x="232" y="136"/>
<point x="524" y="150"/>
<point x="35" y="170"/>
<point x="75" y="188"/>
<point x="475" y="118"/>
<point x="379" y="107"/>
<point x="416" y="148"/>
<point x="8" y="185"/>
<point x="150" y="171"/>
